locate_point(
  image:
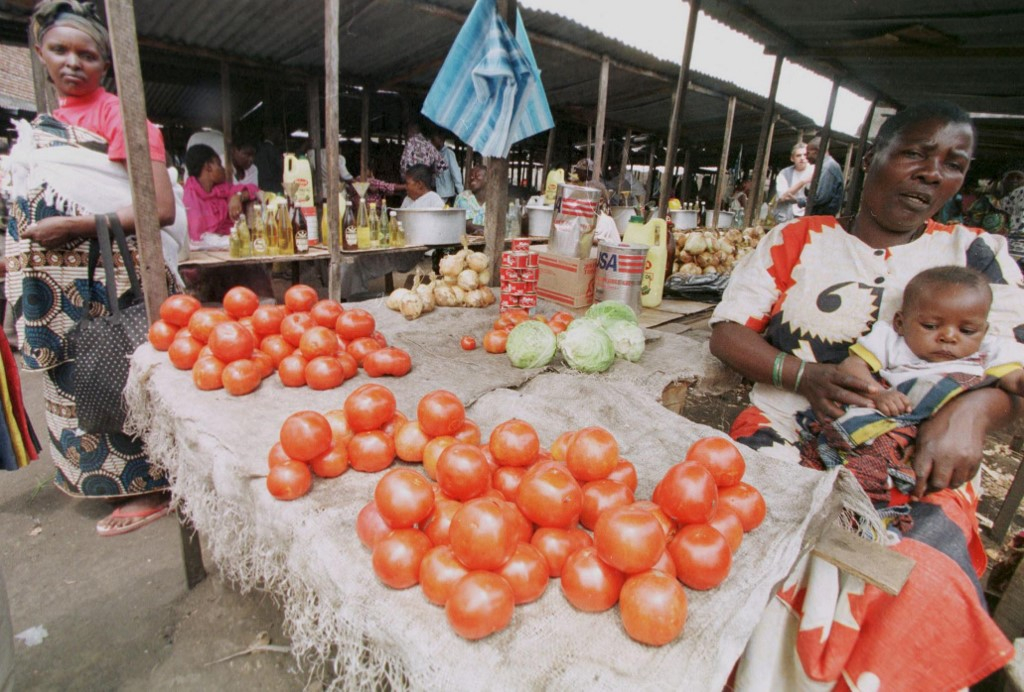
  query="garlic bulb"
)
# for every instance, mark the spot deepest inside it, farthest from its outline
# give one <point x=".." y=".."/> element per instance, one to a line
<point x="444" y="296"/>
<point x="477" y="261"/>
<point x="484" y="276"/>
<point x="695" y="243"/>
<point x="451" y="265"/>
<point x="426" y="295"/>
<point x="394" y="301"/>
<point x="412" y="306"/>
<point x="475" y="299"/>
<point x="468" y="280"/>
<point x="488" y="294"/>
<point x="690" y="269"/>
<point x="460" y="295"/>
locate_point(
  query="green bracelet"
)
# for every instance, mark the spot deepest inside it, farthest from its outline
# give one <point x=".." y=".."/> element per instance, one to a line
<point x="777" y="370"/>
<point x="799" y="376"/>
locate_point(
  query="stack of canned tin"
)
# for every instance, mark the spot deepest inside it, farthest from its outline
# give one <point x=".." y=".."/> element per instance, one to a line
<point x="518" y="276"/>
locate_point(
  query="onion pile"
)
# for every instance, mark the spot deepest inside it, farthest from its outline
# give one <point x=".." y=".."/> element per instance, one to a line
<point x="462" y="284"/>
<point x="713" y="252"/>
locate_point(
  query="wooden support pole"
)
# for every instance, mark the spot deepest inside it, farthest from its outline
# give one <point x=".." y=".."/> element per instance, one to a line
<point x="847" y="163"/>
<point x="825" y="135"/>
<point x="467" y="163"/>
<point x="315" y="142"/>
<point x="684" y="193"/>
<point x="678" y="101"/>
<point x="624" y="159"/>
<point x="332" y="16"/>
<point x="723" y="162"/>
<point x="853" y="191"/>
<point x="225" y="118"/>
<point x="45" y="94"/>
<point x="496" y="190"/>
<point x="128" y="72"/>
<point x="754" y="200"/>
<point x="548" y="155"/>
<point x="760" y="195"/>
<point x="364" y="133"/>
<point x="652" y="159"/>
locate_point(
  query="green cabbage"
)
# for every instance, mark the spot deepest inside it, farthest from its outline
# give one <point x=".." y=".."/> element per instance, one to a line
<point x="628" y="340"/>
<point x="587" y="348"/>
<point x="608" y="311"/>
<point x="531" y="344"/>
<point x="583" y="322"/>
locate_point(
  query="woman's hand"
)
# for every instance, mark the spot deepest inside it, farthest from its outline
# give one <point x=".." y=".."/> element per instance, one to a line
<point x="948" y="450"/>
<point x="235" y="205"/>
<point x="829" y="389"/>
<point x="54" y="231"/>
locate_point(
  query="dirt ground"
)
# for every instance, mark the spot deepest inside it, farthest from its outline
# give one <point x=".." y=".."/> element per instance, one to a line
<point x="117" y="612"/>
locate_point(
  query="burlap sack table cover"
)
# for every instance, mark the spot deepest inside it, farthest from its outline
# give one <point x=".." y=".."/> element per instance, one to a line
<point x="306" y="552"/>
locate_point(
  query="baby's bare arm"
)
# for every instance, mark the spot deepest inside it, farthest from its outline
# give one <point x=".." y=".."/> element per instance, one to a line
<point x="1013" y="382"/>
<point x="890" y="402"/>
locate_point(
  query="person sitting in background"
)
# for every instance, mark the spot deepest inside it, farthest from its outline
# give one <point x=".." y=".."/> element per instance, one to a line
<point x="584" y="175"/>
<point x="211" y="138"/>
<point x="472" y="200"/>
<point x="212" y="203"/>
<point x="245" y="171"/>
<point x="987" y="211"/>
<point x="1013" y="204"/>
<point x="449" y="181"/>
<point x="378" y="189"/>
<point x="419" y="150"/>
<point x="419" y="189"/>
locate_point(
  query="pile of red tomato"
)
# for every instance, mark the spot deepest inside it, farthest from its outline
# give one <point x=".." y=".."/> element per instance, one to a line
<point x="308" y="341"/>
<point x="503" y="518"/>
<point x="495" y="339"/>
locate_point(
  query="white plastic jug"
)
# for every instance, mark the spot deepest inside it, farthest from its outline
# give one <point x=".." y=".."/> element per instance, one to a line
<point x="296" y="169"/>
<point x="653" y="234"/>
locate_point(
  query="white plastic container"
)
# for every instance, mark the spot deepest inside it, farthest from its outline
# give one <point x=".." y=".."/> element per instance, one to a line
<point x="724" y="218"/>
<point x="538" y="223"/>
<point x="684" y="219"/>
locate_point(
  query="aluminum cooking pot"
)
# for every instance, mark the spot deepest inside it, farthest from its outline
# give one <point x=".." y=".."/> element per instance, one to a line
<point x="433" y="226"/>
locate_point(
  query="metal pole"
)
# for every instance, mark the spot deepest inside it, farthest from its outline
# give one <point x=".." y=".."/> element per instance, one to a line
<point x="723" y="162"/>
<point x="853" y="193"/>
<point x="678" y="101"/>
<point x="754" y="200"/>
<point x="332" y="13"/>
<point x="825" y="135"/>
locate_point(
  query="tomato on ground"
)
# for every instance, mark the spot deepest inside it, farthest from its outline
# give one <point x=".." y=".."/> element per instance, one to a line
<point x="495" y="341"/>
<point x="721" y="457"/>
<point x="369" y="407"/>
<point x="241" y="302"/>
<point x="206" y="373"/>
<point x="432" y="452"/>
<point x="184" y="352"/>
<point x="440" y="413"/>
<point x="481" y="535"/>
<point x="463" y="472"/>
<point x="701" y="555"/>
<point x="370" y="525"/>
<point x="629" y="539"/>
<point x="326" y="313"/>
<point x="331" y="463"/>
<point x="514" y="443"/>
<point x="440" y="571"/>
<point x="276" y="455"/>
<point x="324" y="372"/>
<point x="592" y="454"/>
<point x="589" y="583"/>
<point x="526" y="572"/>
<point x="653" y="608"/>
<point x="305" y="435"/>
<point x="481" y="604"/>
<point x="747" y="502"/>
<point x="601" y="496"/>
<point x="230" y="341"/>
<point x="178" y="309"/>
<point x="397" y="557"/>
<point x="507" y="479"/>
<point x="300" y="298"/>
<point x="728" y="523"/>
<point x="292" y="370"/>
<point x="275" y="346"/>
<point x="289" y="480"/>
<point x="264" y="364"/>
<point x="240" y="377"/>
<point x="318" y="341"/>
<point x="687" y="493"/>
<point x="404" y="498"/>
<point x="161" y="335"/>
<point x="294" y="325"/>
<point x="386" y="361"/>
<point x="561" y="445"/>
<point x="550" y="496"/>
<point x="267" y="319"/>
<point x="556" y="545"/>
<point x="467" y="343"/>
<point x="439" y="523"/>
<point x="625" y="473"/>
<point x="410" y="440"/>
<point x="354" y="324"/>
<point x="203" y="321"/>
<point x="370" y="451"/>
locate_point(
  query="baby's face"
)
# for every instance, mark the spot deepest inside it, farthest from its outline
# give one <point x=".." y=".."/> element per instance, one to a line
<point x="945" y="323"/>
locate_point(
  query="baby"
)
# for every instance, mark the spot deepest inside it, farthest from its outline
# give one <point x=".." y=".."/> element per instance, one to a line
<point x="937" y="347"/>
<point x="941" y="329"/>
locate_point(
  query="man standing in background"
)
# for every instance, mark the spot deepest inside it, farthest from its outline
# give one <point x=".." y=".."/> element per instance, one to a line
<point x="791" y="185"/>
<point x="448" y="182"/>
<point x="828" y="197"/>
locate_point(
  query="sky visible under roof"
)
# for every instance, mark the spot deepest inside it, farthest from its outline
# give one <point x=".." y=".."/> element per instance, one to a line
<point x="659" y="27"/>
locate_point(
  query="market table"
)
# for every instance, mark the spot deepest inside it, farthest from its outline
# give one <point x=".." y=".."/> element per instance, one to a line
<point x="214" y="446"/>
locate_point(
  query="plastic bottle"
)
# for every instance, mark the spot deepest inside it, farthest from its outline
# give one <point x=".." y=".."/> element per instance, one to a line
<point x="244" y="238"/>
<point x="555" y="178"/>
<point x="653" y="234"/>
<point x="297" y="170"/>
<point x="363" y="226"/>
<point x="393" y="235"/>
<point x="374" y="226"/>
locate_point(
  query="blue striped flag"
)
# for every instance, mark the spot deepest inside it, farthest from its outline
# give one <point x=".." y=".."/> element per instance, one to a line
<point x="489" y="92"/>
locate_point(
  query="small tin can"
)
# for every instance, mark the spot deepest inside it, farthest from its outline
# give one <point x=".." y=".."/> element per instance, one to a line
<point x="528" y="301"/>
<point x="520" y="260"/>
<point x="509" y="274"/>
<point x="528" y="274"/>
<point x="532" y="259"/>
<point x="506" y="258"/>
<point x="516" y="288"/>
<point x="508" y="301"/>
<point x="520" y="245"/>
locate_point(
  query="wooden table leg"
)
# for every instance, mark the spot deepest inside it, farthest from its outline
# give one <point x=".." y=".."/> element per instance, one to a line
<point x="389" y="282"/>
<point x="296" y="274"/>
<point x="192" y="552"/>
<point x="1014" y="496"/>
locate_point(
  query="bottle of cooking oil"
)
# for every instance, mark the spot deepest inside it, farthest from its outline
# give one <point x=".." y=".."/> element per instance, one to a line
<point x="285" y="234"/>
<point x="349" y="238"/>
<point x="401" y="235"/>
<point x="259" y="233"/>
<point x="385" y="228"/>
<point x="244" y="239"/>
<point x="363" y="226"/>
<point x="393" y="235"/>
<point x="374" y="226"/>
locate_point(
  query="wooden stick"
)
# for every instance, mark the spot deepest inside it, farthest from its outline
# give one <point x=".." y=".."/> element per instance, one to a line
<point x="125" y="54"/>
<point x="364" y="132"/>
<point x="754" y="200"/>
<point x="602" y="110"/>
<point x="825" y="135"/>
<point x="315" y="142"/>
<point x="225" y="118"/>
<point x="852" y="201"/>
<point x="678" y="101"/>
<point x="723" y="162"/>
<point x="332" y="14"/>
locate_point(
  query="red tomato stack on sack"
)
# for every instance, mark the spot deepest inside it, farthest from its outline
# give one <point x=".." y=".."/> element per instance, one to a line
<point x="505" y="517"/>
<point x="307" y="341"/>
<point x="494" y="340"/>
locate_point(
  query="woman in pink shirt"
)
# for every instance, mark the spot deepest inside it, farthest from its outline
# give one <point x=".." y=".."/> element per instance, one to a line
<point x="211" y="202"/>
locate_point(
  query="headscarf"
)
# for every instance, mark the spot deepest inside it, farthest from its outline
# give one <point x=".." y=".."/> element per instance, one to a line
<point x="74" y="13"/>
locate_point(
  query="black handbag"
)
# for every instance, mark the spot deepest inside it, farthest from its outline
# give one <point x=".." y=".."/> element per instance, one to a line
<point x="102" y="346"/>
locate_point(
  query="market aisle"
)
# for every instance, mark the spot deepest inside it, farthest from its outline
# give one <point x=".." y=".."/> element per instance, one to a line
<point x="116" y="610"/>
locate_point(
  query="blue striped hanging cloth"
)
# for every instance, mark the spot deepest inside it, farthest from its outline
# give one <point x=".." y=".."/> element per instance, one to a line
<point x="489" y="92"/>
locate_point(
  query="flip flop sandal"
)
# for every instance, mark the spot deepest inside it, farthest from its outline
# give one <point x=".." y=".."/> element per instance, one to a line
<point x="144" y="517"/>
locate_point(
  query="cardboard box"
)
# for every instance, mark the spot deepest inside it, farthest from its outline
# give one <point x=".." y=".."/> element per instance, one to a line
<point x="566" y="280"/>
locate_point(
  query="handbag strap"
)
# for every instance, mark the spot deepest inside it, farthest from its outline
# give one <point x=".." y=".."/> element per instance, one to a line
<point x="107" y="224"/>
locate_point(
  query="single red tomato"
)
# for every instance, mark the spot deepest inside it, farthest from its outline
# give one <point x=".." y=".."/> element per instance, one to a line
<point x="701" y="555"/>
<point x="267" y="319"/>
<point x="178" y="309"/>
<point x="386" y="361"/>
<point x="276" y="347"/>
<point x="264" y="364"/>
<point x="369" y="407"/>
<point x="432" y="452"/>
<point x="589" y="583"/>
<point x="339" y="426"/>
<point x="481" y="535"/>
<point x="349" y="366"/>
<point x="470" y="434"/>
<point x="354" y="324"/>
<point x="397" y="557"/>
<point x="326" y="312"/>
<point x="240" y="377"/>
<point x="440" y="571"/>
<point x="653" y="608"/>
<point x="276" y="455"/>
<point x="463" y="472"/>
<point x="230" y="341"/>
<point x="665" y="564"/>
<point x="556" y="545"/>
<point x="550" y="496"/>
<point x="379" y="338"/>
<point x="370" y="451"/>
<point x="404" y="498"/>
<point x="410" y="441"/>
<point x="306" y="434"/>
<point x="561" y="445"/>
<point x="481" y="604"/>
<point x="629" y="539"/>
<point x="688" y="493"/>
<point x="668" y="525"/>
<point x="506" y="479"/>
<point x="241" y="302"/>
<point x="526" y="572"/>
<point x="292" y="370"/>
<point x="318" y="341"/>
<point x="601" y="496"/>
<point x="202" y="322"/>
<point x="324" y="372"/>
<point x="438" y="525"/>
<point x="523" y="526"/>
<point x="300" y="298"/>
<point x="162" y="334"/>
<point x="206" y="373"/>
<point x="729" y="525"/>
<point x="721" y="457"/>
<point x="514" y="443"/>
<point x="468" y="343"/>
<point x="289" y="480"/>
<point x="361" y="347"/>
<point x="184" y="352"/>
<point x="440" y="413"/>
<point x="294" y="325"/>
<point x="592" y="454"/>
<point x="392" y="426"/>
<point x="746" y="501"/>
<point x="370" y="525"/>
<point x="331" y="463"/>
<point x="625" y="473"/>
<point x="495" y="341"/>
